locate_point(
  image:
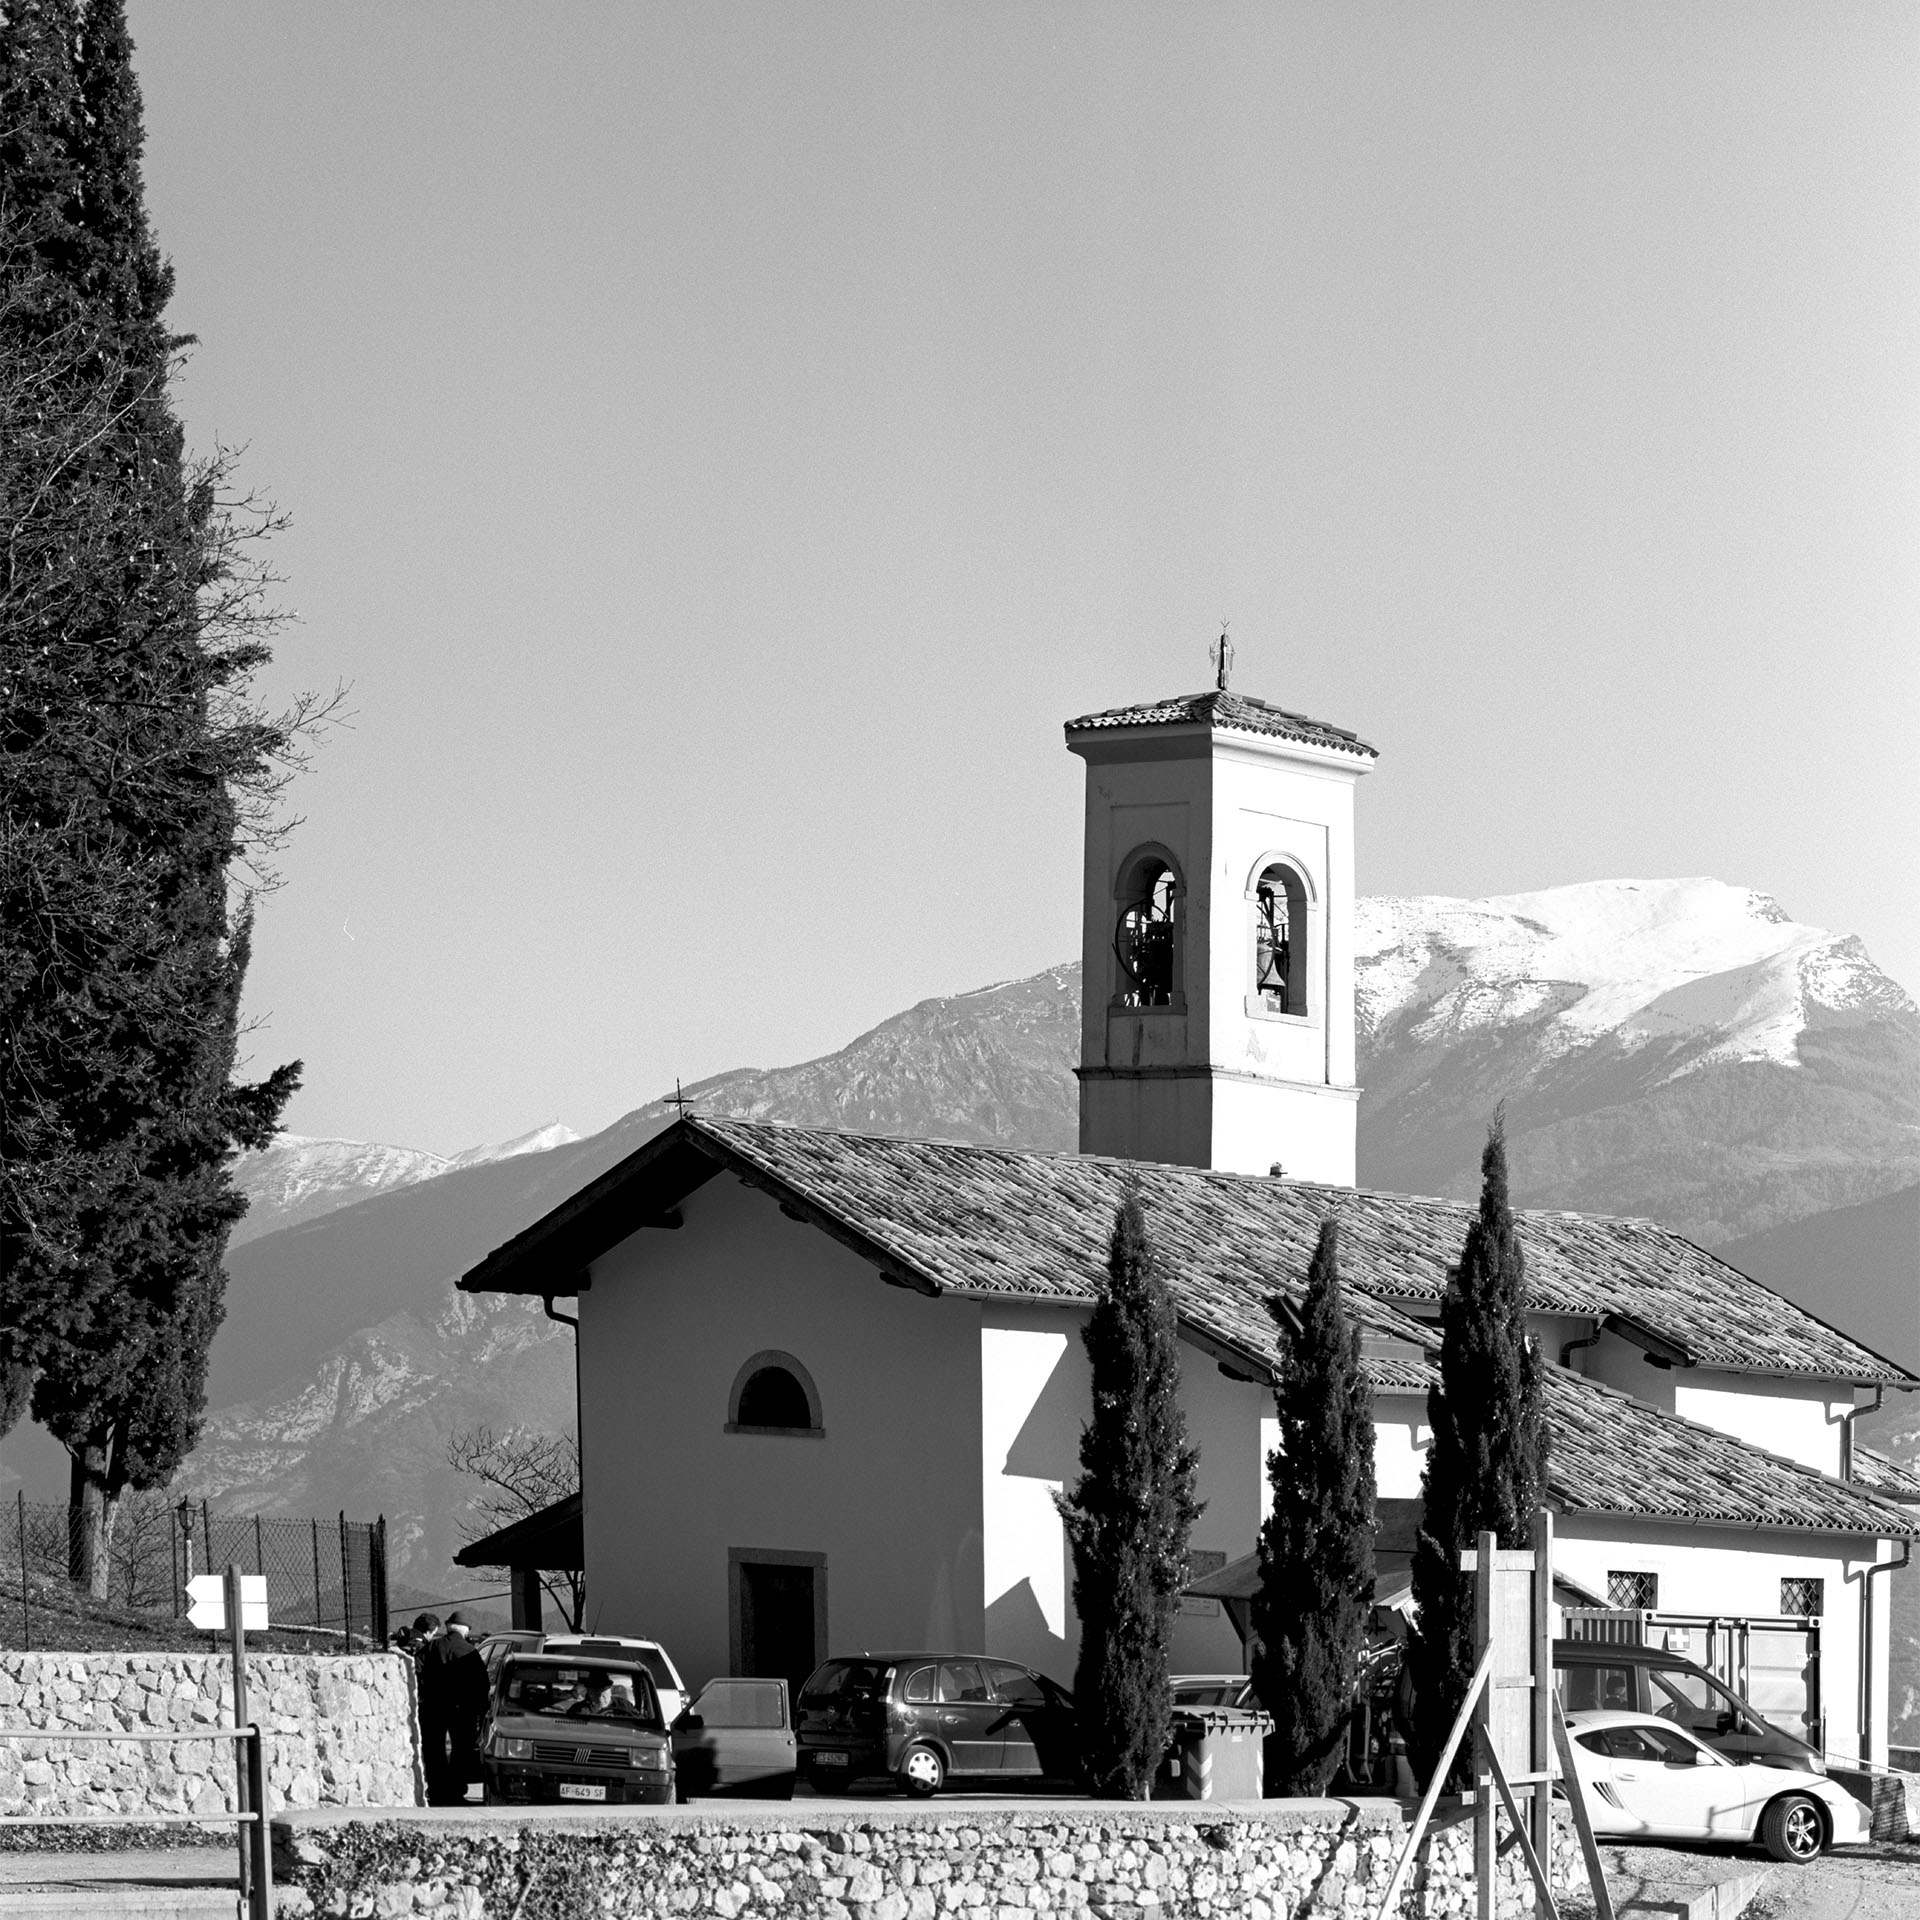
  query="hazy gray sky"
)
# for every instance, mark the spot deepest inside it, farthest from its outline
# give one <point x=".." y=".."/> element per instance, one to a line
<point x="725" y="442"/>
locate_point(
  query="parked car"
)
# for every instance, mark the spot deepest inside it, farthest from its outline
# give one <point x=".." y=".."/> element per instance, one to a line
<point x="919" y="1717"/>
<point x="575" y="1729"/>
<point x="1646" y="1777"/>
<point x="736" y="1738"/>
<point x="1212" y="1690"/>
<point x="649" y="1653"/>
<point x="1598" y="1675"/>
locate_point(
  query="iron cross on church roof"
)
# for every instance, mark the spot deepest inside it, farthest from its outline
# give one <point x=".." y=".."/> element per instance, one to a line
<point x="1221" y="654"/>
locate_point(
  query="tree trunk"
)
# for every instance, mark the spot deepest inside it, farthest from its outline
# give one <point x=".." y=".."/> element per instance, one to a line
<point x="93" y="1502"/>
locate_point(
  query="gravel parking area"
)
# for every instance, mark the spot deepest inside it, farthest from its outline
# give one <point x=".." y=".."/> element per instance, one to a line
<point x="1879" y="1882"/>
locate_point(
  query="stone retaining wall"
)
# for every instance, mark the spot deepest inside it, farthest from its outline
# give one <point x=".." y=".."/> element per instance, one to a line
<point x="818" y="1860"/>
<point x="340" y="1731"/>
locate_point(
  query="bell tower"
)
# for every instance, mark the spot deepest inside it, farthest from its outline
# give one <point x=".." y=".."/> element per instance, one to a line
<point x="1217" y="945"/>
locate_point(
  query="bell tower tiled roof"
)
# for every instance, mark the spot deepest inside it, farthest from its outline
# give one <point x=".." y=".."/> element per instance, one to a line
<point x="1235" y="712"/>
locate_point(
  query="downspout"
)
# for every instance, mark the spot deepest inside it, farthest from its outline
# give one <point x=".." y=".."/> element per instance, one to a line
<point x="1866" y="1645"/>
<point x="1573" y="1346"/>
<point x="572" y="1320"/>
<point x="1846" y="1428"/>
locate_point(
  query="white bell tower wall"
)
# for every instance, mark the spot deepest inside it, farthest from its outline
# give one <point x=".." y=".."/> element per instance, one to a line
<point x="1239" y="1054"/>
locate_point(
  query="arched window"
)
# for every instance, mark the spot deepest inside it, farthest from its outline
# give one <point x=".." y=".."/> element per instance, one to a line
<point x="1146" y="937"/>
<point x="1280" y="939"/>
<point x="773" y="1393"/>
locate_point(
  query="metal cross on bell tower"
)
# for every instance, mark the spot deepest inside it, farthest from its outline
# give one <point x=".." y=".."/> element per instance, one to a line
<point x="1221" y="654"/>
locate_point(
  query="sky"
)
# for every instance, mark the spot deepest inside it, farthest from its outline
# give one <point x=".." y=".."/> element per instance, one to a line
<point x="723" y="444"/>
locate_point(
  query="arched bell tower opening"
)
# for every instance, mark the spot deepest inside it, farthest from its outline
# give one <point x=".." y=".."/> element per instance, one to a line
<point x="1281" y="940"/>
<point x="1146" y="931"/>
<point x="1218" y="913"/>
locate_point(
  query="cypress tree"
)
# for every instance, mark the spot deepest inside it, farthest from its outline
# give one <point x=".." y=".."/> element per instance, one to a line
<point x="1316" y="1548"/>
<point x="132" y="773"/>
<point x="1129" y="1517"/>
<point x="1487" y="1467"/>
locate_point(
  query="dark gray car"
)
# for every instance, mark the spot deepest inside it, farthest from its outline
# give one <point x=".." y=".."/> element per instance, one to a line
<point x="1601" y="1674"/>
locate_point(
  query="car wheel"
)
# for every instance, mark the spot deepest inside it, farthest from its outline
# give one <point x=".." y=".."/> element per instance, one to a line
<point x="922" y="1772"/>
<point x="1792" y="1829"/>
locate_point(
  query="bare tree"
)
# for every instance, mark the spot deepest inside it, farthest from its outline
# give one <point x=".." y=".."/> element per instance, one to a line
<point x="521" y="1473"/>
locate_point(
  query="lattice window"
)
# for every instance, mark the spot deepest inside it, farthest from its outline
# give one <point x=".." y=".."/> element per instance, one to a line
<point x="1640" y="1590"/>
<point x="1804" y="1597"/>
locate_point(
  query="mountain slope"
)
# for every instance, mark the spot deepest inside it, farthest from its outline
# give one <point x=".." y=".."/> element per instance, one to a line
<point x="298" y="1178"/>
<point x="1857" y="1267"/>
<point x="1678" y="1049"/>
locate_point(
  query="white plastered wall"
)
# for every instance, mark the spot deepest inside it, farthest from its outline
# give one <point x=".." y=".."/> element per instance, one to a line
<point x="1733" y="1571"/>
<point x="891" y="1495"/>
<point x="1801" y="1420"/>
<point x="1035" y="1399"/>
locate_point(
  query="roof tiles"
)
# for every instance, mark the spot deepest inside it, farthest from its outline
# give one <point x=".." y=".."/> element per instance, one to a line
<point x="1235" y="712"/>
<point x="989" y="1220"/>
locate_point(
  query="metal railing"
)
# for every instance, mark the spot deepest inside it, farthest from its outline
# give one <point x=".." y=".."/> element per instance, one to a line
<point x="326" y="1575"/>
<point x="250" y="1776"/>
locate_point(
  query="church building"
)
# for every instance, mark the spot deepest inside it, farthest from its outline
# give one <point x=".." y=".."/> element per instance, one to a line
<point x="829" y="1384"/>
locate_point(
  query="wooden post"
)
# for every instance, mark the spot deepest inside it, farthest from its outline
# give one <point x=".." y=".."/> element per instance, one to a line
<point x="1542" y="1744"/>
<point x="259" y="1836"/>
<point x="26" y="1617"/>
<point x="346" y="1590"/>
<point x="1486" y="1857"/>
<point x="237" y="1641"/>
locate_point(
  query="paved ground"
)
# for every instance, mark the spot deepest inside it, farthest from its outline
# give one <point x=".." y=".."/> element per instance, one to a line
<point x="1879" y="1882"/>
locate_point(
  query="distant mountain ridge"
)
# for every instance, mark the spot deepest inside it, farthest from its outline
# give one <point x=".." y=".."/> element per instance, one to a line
<point x="1679" y="1049"/>
<point x="298" y="1178"/>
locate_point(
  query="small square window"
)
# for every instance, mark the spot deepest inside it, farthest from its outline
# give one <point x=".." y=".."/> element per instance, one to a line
<point x="1806" y="1597"/>
<point x="1637" y="1590"/>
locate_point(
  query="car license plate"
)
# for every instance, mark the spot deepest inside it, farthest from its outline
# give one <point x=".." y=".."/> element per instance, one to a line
<point x="580" y="1790"/>
<point x="829" y="1759"/>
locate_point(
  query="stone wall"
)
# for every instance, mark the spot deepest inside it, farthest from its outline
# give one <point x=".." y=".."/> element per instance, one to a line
<point x="339" y="1731"/>
<point x="820" y="1860"/>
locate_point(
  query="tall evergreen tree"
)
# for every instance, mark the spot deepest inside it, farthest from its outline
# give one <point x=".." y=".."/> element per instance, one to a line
<point x="1129" y="1517"/>
<point x="132" y="771"/>
<point x="1316" y="1548"/>
<point x="1487" y="1467"/>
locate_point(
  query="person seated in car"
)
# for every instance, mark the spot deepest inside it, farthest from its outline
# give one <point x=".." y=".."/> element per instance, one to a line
<point x="599" y="1701"/>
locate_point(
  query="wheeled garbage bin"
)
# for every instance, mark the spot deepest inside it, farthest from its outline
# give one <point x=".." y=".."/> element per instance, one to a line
<point x="1214" y="1754"/>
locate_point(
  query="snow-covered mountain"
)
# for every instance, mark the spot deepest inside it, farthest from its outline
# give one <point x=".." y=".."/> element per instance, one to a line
<point x="1676" y="1048"/>
<point x="1717" y="973"/>
<point x="298" y="1178"/>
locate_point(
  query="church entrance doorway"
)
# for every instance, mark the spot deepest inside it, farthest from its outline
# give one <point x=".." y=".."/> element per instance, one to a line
<point x="779" y="1613"/>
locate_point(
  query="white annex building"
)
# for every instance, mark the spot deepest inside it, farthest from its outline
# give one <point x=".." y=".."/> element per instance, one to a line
<point x="829" y="1384"/>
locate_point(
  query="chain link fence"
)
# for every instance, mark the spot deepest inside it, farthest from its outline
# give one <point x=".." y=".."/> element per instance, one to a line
<point x="329" y="1575"/>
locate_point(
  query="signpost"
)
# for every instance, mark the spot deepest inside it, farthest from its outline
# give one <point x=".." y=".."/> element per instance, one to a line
<point x="236" y="1603"/>
<point x="207" y="1600"/>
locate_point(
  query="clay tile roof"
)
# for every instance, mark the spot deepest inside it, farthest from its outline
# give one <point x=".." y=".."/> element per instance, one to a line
<point x="1885" y="1477"/>
<point x="1612" y="1454"/>
<point x="989" y="1220"/>
<point x="1236" y="712"/>
<point x="990" y="1223"/>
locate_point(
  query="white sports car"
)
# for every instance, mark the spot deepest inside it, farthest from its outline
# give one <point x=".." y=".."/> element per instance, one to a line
<point x="1646" y="1778"/>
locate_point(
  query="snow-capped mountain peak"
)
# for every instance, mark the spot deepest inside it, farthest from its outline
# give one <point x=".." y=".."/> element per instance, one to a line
<point x="1639" y="961"/>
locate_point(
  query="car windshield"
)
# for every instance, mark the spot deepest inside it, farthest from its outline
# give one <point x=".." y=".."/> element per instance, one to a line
<point x="1695" y="1699"/>
<point x="562" y="1690"/>
<point x="848" y="1679"/>
<point x="649" y="1657"/>
<point x="1210" y="1693"/>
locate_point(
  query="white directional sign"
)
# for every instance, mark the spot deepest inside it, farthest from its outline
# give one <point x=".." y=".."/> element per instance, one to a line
<point x="207" y="1601"/>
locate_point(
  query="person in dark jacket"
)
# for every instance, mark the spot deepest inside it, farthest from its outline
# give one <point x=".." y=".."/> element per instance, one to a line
<point x="453" y="1697"/>
<point x="431" y="1694"/>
